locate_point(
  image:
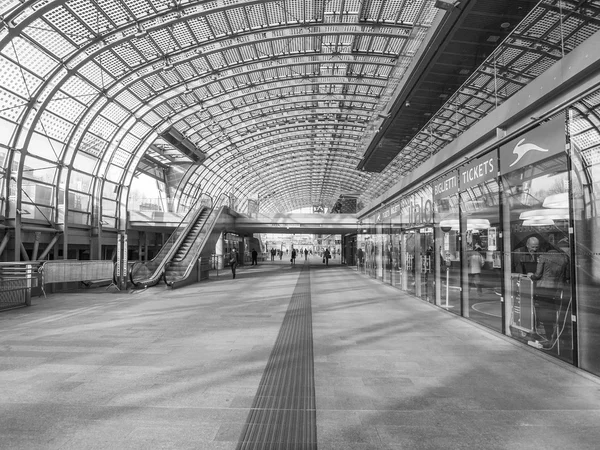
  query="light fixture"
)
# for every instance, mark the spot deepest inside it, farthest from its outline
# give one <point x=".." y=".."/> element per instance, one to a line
<point x="544" y="214"/>
<point x="477" y="224"/>
<point x="449" y="224"/>
<point x="537" y="222"/>
<point x="556" y="201"/>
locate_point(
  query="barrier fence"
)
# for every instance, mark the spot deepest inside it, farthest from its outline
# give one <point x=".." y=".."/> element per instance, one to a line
<point x="65" y="271"/>
<point x="16" y="281"/>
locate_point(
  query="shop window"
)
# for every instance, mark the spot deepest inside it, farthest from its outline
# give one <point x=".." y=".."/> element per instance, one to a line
<point x="537" y="218"/>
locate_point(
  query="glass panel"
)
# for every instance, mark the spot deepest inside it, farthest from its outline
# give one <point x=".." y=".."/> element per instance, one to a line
<point x="387" y="255"/>
<point x="110" y="190"/>
<point x="378" y="241"/>
<point x="37" y="211"/>
<point x="410" y="245"/>
<point x="85" y="162"/>
<point x="3" y="178"/>
<point x="584" y="126"/>
<point x="81" y="182"/>
<point x="109" y="208"/>
<point x="537" y="207"/>
<point x="448" y="248"/>
<point x="396" y="267"/>
<point x="78" y="218"/>
<point x="44" y="146"/>
<point x="427" y="257"/>
<point x="6" y="131"/>
<point x="481" y="265"/>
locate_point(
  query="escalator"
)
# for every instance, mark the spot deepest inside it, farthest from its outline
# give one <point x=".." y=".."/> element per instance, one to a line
<point x="146" y="274"/>
<point x="181" y="269"/>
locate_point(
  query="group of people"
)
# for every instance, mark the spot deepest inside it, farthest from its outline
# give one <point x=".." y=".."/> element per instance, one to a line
<point x="274" y="253"/>
<point x="233" y="257"/>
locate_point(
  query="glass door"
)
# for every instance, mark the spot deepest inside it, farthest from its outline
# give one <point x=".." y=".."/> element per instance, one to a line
<point x="427" y="256"/>
<point x="410" y="266"/>
<point x="396" y="266"/>
<point x="481" y="262"/>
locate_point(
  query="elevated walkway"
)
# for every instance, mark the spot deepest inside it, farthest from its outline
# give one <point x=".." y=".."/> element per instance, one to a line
<point x="278" y="223"/>
<point x="279" y="358"/>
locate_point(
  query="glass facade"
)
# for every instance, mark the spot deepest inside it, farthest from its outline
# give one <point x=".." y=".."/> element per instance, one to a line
<point x="509" y="239"/>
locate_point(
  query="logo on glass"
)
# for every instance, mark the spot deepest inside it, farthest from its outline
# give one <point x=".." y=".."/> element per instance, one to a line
<point x="522" y="150"/>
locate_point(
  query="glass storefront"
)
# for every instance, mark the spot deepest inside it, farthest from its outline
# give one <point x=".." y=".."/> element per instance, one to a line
<point x="583" y="126"/>
<point x="536" y="210"/>
<point x="510" y="239"/>
<point x="447" y="242"/>
<point x="479" y="225"/>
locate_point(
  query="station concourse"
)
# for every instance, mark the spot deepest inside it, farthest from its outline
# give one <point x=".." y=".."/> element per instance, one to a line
<point x="445" y="154"/>
<point x="281" y="358"/>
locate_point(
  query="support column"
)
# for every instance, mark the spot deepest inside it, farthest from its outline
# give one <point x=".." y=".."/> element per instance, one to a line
<point x="36" y="246"/>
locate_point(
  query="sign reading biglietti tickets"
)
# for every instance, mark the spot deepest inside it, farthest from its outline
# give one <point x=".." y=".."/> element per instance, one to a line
<point x="542" y="142"/>
<point x="446" y="186"/>
<point x="478" y="171"/>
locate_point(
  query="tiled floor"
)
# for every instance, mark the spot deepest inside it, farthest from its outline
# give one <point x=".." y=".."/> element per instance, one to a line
<point x="165" y="369"/>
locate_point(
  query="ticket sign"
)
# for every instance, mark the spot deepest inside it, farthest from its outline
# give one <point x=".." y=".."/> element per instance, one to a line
<point x="542" y="142"/>
<point x="478" y="171"/>
<point x="445" y="186"/>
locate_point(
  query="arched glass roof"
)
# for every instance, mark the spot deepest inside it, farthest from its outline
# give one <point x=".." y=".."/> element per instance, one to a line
<point x="275" y="95"/>
<point x="270" y="100"/>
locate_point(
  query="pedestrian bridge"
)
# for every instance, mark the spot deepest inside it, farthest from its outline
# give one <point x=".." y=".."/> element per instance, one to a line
<point x="298" y="223"/>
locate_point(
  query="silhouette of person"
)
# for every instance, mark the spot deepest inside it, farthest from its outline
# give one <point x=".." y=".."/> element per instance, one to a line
<point x="551" y="277"/>
<point x="233" y="261"/>
<point x="254" y="257"/>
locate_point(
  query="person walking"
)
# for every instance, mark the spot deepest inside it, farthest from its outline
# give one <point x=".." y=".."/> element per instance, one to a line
<point x="254" y="257"/>
<point x="326" y="256"/>
<point x="233" y="261"/>
<point x="293" y="260"/>
<point x="305" y="254"/>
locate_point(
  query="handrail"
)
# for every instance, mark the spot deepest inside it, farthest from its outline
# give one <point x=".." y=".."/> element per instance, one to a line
<point x="208" y="225"/>
<point x="169" y="248"/>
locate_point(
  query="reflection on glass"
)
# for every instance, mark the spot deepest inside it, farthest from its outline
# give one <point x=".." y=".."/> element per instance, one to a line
<point x="482" y="269"/>
<point x="427" y="257"/>
<point x="447" y="227"/>
<point x="539" y="300"/>
<point x="396" y="266"/>
<point x="410" y="256"/>
<point x="585" y="180"/>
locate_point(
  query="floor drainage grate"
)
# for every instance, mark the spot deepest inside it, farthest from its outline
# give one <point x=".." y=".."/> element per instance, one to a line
<point x="283" y="414"/>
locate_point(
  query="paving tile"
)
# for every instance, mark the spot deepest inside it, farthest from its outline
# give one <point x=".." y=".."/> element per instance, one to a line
<point x="180" y="369"/>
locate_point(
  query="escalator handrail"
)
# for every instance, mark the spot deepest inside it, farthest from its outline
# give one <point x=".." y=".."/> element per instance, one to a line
<point x="176" y="237"/>
<point x="198" y="248"/>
